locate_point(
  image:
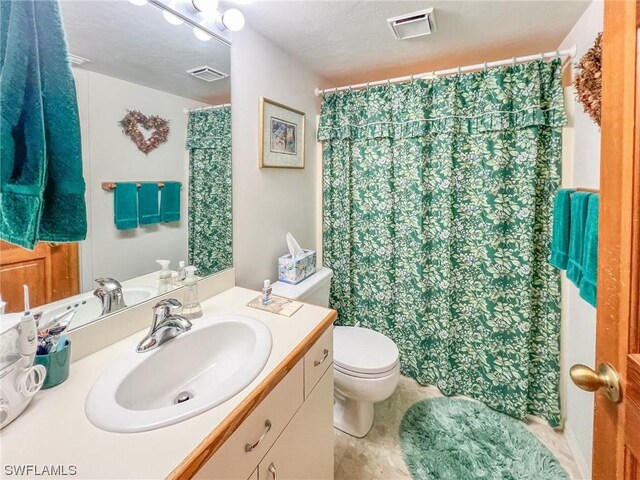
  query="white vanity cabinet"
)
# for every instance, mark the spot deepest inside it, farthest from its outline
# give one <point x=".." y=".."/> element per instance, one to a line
<point x="289" y="435"/>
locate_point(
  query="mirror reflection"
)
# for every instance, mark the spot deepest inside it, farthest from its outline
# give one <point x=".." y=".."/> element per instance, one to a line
<point x="154" y="111"/>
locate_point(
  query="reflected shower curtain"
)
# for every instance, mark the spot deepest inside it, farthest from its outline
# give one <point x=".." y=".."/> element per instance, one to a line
<point x="437" y="223"/>
<point x="210" y="224"/>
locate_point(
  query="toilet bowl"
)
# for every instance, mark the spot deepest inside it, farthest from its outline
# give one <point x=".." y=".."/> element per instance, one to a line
<point x="366" y="368"/>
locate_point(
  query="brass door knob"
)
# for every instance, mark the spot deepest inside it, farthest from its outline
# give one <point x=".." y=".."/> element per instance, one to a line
<point x="606" y="377"/>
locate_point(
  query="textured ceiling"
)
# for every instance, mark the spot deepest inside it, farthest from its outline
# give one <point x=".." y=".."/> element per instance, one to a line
<point x="350" y="41"/>
<point x="136" y="44"/>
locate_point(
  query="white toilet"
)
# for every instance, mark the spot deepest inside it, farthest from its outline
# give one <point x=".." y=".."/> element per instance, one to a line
<point x="366" y="366"/>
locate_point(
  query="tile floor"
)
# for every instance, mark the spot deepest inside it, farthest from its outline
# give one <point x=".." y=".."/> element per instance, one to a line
<point x="378" y="455"/>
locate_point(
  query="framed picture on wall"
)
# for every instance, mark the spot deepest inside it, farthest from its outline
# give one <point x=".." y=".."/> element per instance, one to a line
<point x="281" y="136"/>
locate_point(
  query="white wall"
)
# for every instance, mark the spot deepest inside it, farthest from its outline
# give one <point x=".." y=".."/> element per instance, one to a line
<point x="582" y="169"/>
<point x="269" y="202"/>
<point x="109" y="155"/>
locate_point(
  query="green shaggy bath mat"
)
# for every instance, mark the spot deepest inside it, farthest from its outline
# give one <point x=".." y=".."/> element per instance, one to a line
<point x="450" y="438"/>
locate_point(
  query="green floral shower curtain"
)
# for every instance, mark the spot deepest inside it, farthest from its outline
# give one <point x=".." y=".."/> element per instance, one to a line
<point x="437" y="222"/>
<point x="210" y="225"/>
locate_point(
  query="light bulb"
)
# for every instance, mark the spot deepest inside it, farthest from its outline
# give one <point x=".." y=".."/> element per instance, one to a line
<point x="233" y="19"/>
<point x="139" y="3"/>
<point x="171" y="18"/>
<point x="205" y="6"/>
<point x="201" y="34"/>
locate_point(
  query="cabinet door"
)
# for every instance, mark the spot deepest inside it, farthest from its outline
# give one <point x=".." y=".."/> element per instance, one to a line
<point x="305" y="448"/>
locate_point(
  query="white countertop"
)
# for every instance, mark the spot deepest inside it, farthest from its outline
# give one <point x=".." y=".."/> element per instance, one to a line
<point x="54" y="431"/>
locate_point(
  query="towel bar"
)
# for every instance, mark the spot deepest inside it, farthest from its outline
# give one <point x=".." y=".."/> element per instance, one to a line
<point x="108" y="186"/>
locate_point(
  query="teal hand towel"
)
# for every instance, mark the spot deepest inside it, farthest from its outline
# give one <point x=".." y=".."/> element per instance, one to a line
<point x="579" y="203"/>
<point x="170" y="202"/>
<point x="148" y="204"/>
<point x="125" y="205"/>
<point x="41" y="182"/>
<point x="561" y="227"/>
<point x="589" y="282"/>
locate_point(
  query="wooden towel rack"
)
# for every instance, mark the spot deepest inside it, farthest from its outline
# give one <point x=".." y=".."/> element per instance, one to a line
<point x="590" y="190"/>
<point x="108" y="186"/>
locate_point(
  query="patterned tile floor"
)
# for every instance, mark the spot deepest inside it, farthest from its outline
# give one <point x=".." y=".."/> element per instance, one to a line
<point x="378" y="455"/>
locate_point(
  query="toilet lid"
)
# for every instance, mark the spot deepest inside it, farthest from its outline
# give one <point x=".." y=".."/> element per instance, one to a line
<point x="363" y="351"/>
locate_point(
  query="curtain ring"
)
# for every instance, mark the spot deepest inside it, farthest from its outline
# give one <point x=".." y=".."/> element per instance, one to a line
<point x="485" y="66"/>
<point x="388" y="82"/>
<point x="459" y="70"/>
<point x="350" y="88"/>
<point x="513" y="62"/>
<point x="541" y="56"/>
<point x="412" y="75"/>
<point x="368" y="85"/>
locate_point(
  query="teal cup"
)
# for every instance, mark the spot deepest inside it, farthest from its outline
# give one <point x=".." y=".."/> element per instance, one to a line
<point x="57" y="365"/>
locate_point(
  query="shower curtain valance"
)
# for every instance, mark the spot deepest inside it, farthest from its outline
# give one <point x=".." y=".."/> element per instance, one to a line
<point x="209" y="129"/>
<point x="496" y="99"/>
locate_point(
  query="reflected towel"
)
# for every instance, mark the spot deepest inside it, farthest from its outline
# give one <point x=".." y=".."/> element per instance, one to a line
<point x="125" y="205"/>
<point x="579" y="203"/>
<point x="170" y="202"/>
<point x="588" y="289"/>
<point x="148" y="204"/>
<point x="561" y="228"/>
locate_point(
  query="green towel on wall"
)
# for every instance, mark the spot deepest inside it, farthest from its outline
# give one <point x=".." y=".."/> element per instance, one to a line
<point x="170" y="202"/>
<point x="588" y="285"/>
<point x="579" y="203"/>
<point x="125" y="205"/>
<point x="561" y="228"/>
<point x="148" y="204"/>
<point x="41" y="183"/>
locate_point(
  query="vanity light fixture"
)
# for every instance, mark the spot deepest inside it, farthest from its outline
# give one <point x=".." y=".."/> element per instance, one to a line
<point x="139" y="3"/>
<point x="171" y="17"/>
<point x="206" y="7"/>
<point x="201" y="34"/>
<point x="232" y="19"/>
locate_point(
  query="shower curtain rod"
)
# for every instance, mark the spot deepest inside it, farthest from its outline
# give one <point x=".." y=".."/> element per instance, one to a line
<point x="569" y="52"/>
<point x="210" y="107"/>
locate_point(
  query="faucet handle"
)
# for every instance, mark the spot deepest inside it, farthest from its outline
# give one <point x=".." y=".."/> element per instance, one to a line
<point x="168" y="303"/>
<point x="108" y="284"/>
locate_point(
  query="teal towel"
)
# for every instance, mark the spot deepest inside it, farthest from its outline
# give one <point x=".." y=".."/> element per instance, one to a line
<point x="579" y="202"/>
<point x="41" y="183"/>
<point x="561" y="223"/>
<point x="148" y="204"/>
<point x="589" y="282"/>
<point x="125" y="205"/>
<point x="170" y="202"/>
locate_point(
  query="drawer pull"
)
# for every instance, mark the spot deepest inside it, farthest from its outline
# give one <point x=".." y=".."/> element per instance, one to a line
<point x="272" y="470"/>
<point x="249" y="447"/>
<point x="324" y="357"/>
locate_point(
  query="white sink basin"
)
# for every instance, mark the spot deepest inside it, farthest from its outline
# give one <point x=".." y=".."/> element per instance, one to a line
<point x="209" y="364"/>
<point x="89" y="308"/>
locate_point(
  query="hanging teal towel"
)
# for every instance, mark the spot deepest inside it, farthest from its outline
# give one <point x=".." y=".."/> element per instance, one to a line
<point x="579" y="203"/>
<point x="561" y="228"/>
<point x="41" y="183"/>
<point x="148" y="204"/>
<point x="589" y="282"/>
<point x="170" y="202"/>
<point x="125" y="205"/>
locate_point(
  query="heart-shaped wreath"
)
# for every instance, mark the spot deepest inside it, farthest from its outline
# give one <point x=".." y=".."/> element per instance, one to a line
<point x="134" y="119"/>
<point x="588" y="80"/>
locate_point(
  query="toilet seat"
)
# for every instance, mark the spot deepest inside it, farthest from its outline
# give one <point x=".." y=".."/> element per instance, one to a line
<point x="363" y="353"/>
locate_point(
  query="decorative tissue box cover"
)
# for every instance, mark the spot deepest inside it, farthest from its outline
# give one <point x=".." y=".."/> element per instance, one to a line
<point x="295" y="270"/>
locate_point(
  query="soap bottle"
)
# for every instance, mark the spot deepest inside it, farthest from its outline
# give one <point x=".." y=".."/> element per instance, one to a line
<point x="266" y="292"/>
<point x="181" y="274"/>
<point x="191" y="306"/>
<point x="164" y="277"/>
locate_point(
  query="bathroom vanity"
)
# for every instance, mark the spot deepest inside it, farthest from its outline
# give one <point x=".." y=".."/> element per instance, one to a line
<point x="278" y="427"/>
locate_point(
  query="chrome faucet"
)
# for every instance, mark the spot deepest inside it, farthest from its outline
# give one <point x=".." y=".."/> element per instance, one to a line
<point x="110" y="295"/>
<point x="165" y="326"/>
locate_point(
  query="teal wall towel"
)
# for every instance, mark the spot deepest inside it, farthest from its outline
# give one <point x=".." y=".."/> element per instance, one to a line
<point x="579" y="203"/>
<point x="41" y="182"/>
<point x="588" y="289"/>
<point x="125" y="205"/>
<point x="170" y="202"/>
<point x="561" y="228"/>
<point x="148" y="204"/>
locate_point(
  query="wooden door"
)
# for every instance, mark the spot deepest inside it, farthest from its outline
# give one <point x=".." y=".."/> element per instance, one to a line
<point x="50" y="271"/>
<point x="616" y="447"/>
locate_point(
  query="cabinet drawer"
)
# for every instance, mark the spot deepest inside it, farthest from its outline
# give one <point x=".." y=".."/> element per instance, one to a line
<point x="317" y="360"/>
<point x="232" y="461"/>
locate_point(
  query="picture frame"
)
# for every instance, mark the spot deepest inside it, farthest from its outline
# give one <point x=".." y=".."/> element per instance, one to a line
<point x="282" y="134"/>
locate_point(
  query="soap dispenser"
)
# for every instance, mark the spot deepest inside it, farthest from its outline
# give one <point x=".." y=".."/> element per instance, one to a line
<point x="165" y="283"/>
<point x="191" y="306"/>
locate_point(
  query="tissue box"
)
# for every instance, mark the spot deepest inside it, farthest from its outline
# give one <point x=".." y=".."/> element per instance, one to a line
<point x="294" y="271"/>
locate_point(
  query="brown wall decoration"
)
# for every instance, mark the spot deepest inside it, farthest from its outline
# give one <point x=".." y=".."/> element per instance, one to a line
<point x="588" y="80"/>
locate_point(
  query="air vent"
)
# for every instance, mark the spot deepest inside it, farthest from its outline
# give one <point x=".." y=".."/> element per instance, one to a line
<point x="207" y="74"/>
<point x="77" y="60"/>
<point x="413" y="25"/>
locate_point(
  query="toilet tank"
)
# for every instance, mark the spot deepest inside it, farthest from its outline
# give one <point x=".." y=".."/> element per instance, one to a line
<point x="314" y="290"/>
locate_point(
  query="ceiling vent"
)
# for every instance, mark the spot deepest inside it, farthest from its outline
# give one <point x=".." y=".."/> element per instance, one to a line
<point x="77" y="60"/>
<point x="414" y="24"/>
<point x="207" y="74"/>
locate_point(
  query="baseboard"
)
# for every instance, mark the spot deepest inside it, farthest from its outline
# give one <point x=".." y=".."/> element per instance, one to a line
<point x="584" y="465"/>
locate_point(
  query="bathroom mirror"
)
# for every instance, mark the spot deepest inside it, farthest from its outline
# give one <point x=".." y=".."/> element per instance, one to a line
<point x="133" y="58"/>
